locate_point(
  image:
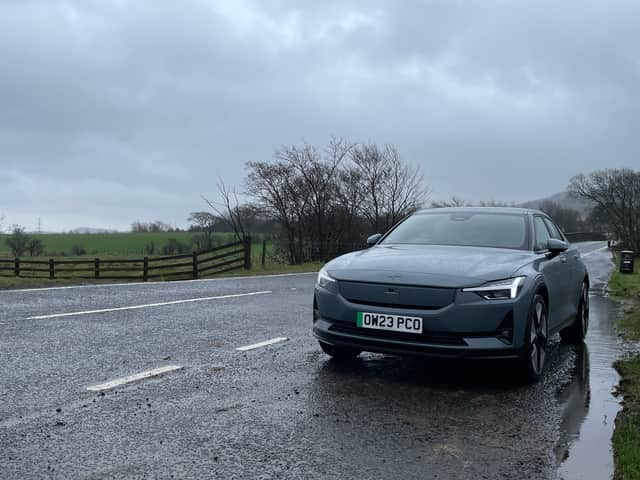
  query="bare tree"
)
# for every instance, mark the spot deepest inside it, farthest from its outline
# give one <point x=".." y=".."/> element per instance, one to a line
<point x="327" y="199"/>
<point x="275" y="188"/>
<point x="205" y="222"/>
<point x="145" y="227"/>
<point x="494" y="203"/>
<point x="452" y="202"/>
<point x="568" y="219"/>
<point x="393" y="188"/>
<point x="405" y="191"/>
<point x="317" y="173"/>
<point x="372" y="169"/>
<point x="616" y="196"/>
<point x="350" y="199"/>
<point x="238" y="216"/>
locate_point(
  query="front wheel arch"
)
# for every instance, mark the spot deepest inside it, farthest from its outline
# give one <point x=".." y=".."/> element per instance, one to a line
<point x="577" y="331"/>
<point x="544" y="292"/>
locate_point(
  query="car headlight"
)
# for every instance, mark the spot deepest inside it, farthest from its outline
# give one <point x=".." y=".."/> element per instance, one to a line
<point x="324" y="279"/>
<point x="498" y="290"/>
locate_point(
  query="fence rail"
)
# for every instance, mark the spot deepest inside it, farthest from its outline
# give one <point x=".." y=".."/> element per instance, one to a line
<point x="221" y="259"/>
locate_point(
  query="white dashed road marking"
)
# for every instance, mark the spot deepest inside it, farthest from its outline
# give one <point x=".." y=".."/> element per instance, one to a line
<point x="262" y="344"/>
<point x="148" y="305"/>
<point x="133" y="378"/>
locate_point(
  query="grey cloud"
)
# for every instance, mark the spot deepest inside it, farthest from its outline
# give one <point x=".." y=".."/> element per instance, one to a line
<point x="137" y="107"/>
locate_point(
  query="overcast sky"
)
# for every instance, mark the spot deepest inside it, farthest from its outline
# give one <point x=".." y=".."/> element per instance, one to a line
<point x="113" y="111"/>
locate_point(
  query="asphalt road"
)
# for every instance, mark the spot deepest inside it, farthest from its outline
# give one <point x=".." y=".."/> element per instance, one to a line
<point x="278" y="411"/>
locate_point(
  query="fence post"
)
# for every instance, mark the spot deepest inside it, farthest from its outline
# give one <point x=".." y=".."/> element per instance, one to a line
<point x="145" y="269"/>
<point x="52" y="274"/>
<point x="96" y="268"/>
<point x="195" y="265"/>
<point x="16" y="267"/>
<point x="247" y="252"/>
<point x="264" y="251"/>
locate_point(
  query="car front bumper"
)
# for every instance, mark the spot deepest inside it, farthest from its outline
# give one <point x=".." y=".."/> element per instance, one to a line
<point x="470" y="327"/>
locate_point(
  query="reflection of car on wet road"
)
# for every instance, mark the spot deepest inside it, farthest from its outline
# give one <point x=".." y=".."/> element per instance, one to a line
<point x="468" y="282"/>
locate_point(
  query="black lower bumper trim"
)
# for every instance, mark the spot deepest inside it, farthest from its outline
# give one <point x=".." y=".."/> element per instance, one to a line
<point x="399" y="347"/>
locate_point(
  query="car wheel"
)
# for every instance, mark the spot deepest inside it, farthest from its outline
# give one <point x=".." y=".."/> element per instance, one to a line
<point x="535" y="351"/>
<point x="339" y="352"/>
<point x="576" y="332"/>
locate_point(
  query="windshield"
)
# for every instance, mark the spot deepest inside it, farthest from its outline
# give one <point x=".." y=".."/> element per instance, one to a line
<point x="463" y="228"/>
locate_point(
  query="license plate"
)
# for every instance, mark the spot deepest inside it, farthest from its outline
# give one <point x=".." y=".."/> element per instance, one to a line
<point x="394" y="323"/>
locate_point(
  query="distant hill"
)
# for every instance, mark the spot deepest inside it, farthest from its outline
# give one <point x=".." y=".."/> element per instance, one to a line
<point x="92" y="230"/>
<point x="565" y="201"/>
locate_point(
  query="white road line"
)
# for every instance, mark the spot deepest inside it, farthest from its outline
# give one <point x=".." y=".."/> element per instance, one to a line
<point x="133" y="378"/>
<point x="133" y="284"/>
<point x="148" y="305"/>
<point x="262" y="344"/>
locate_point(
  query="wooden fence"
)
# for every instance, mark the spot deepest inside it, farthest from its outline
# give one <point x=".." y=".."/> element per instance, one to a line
<point x="224" y="258"/>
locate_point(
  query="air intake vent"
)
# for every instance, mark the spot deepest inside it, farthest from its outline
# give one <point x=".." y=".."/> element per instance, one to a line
<point x="439" y="338"/>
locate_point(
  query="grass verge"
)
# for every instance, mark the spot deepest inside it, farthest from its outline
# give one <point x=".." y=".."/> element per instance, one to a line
<point x="626" y="437"/>
<point x="273" y="269"/>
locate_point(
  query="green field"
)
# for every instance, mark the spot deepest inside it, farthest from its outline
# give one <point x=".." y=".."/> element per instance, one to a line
<point x="129" y="245"/>
<point x="626" y="437"/>
<point x="107" y="244"/>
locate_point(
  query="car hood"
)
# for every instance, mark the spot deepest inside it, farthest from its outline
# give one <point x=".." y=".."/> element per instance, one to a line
<point x="429" y="265"/>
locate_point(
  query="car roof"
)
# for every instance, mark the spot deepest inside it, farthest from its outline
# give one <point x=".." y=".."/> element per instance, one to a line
<point x="503" y="210"/>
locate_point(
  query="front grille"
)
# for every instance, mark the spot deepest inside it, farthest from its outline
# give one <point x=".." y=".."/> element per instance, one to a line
<point x="397" y="296"/>
<point x="392" y="305"/>
<point x="438" y="338"/>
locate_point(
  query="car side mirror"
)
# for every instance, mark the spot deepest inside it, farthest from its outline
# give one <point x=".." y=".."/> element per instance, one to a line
<point x="373" y="239"/>
<point x="557" y="246"/>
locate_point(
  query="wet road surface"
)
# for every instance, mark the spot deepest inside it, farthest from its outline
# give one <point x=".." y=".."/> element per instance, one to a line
<point x="282" y="410"/>
<point x="590" y="406"/>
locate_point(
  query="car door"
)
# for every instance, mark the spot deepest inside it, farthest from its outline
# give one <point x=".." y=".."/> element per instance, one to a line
<point x="573" y="278"/>
<point x="554" y="270"/>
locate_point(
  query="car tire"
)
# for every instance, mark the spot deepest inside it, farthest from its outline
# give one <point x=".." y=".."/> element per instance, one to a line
<point x="577" y="331"/>
<point x="534" y="354"/>
<point x="341" y="353"/>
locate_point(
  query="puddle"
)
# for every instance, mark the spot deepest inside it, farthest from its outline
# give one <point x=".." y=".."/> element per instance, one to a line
<point x="590" y="409"/>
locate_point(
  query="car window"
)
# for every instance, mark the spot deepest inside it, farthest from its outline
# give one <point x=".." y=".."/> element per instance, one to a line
<point x="555" y="231"/>
<point x="462" y="228"/>
<point x="541" y="237"/>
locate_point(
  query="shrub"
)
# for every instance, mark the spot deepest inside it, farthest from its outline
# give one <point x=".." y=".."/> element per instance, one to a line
<point x="150" y="248"/>
<point x="78" y="250"/>
<point x="18" y="241"/>
<point x="202" y="242"/>
<point x="175" y="247"/>
<point x="35" y="247"/>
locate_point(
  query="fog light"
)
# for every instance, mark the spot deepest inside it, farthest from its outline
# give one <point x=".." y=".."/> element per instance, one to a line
<point x="506" y="336"/>
<point x="504" y="333"/>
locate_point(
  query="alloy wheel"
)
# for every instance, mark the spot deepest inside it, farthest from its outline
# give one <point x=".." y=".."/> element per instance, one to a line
<point x="538" y="337"/>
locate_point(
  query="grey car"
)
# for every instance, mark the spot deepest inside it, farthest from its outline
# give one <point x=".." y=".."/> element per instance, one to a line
<point x="456" y="282"/>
